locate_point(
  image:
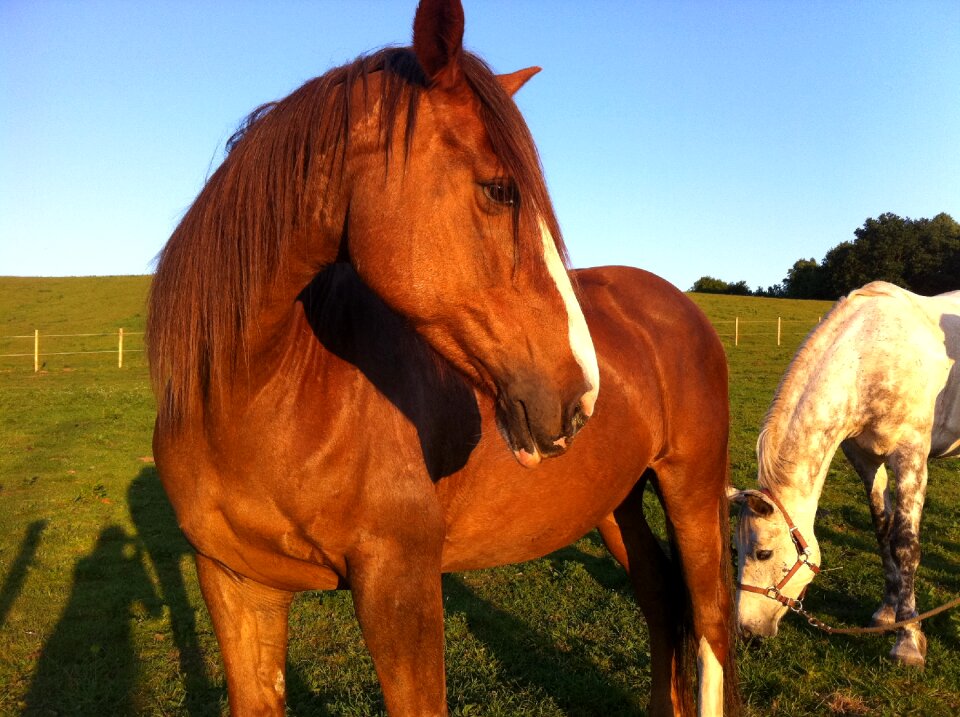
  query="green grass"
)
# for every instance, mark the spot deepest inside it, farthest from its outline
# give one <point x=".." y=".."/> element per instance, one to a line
<point x="100" y="613"/>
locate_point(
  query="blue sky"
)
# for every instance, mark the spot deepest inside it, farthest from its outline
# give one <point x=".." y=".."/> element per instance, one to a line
<point x="688" y="138"/>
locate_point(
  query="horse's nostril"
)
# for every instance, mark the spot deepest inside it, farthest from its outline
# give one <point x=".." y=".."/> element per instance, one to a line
<point x="578" y="419"/>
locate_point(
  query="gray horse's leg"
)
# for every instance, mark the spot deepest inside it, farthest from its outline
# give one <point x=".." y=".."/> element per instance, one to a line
<point x="871" y="470"/>
<point x="911" y="469"/>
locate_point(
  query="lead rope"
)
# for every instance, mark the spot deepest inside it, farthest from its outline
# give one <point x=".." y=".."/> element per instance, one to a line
<point x="816" y="622"/>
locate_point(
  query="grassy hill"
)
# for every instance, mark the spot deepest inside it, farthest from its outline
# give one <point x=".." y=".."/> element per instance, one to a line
<point x="72" y="304"/>
<point x="100" y="611"/>
<point x="63" y="307"/>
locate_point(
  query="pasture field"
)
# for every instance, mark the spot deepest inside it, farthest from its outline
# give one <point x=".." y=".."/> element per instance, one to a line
<point x="100" y="613"/>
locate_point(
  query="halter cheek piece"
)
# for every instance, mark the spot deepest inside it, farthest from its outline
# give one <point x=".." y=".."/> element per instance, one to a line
<point x="803" y="558"/>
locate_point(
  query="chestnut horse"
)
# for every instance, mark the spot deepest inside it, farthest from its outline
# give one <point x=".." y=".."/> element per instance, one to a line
<point x="662" y="419"/>
<point x="311" y="434"/>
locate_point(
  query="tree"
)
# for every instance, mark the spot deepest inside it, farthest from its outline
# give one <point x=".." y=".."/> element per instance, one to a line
<point x="739" y="288"/>
<point x="922" y="255"/>
<point x="806" y="280"/>
<point x="710" y="285"/>
<point x="773" y="292"/>
<point x="933" y="267"/>
<point x="843" y="270"/>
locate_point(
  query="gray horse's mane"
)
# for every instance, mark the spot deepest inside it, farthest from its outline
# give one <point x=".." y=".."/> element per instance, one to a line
<point x="773" y="466"/>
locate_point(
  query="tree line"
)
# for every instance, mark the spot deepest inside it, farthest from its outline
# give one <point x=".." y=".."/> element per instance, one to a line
<point x="922" y="255"/>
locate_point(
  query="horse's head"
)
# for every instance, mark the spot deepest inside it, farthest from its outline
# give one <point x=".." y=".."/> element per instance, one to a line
<point x="455" y="230"/>
<point x="775" y="563"/>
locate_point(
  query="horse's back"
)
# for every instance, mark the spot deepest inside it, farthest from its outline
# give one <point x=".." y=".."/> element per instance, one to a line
<point x="638" y="302"/>
<point x="908" y="347"/>
<point x="667" y="331"/>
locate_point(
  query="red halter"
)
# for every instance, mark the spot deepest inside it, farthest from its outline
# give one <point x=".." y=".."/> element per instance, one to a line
<point x="803" y="558"/>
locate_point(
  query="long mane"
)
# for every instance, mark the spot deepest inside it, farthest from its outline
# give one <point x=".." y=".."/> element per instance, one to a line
<point x="231" y="244"/>
<point x="810" y="360"/>
<point x="773" y="465"/>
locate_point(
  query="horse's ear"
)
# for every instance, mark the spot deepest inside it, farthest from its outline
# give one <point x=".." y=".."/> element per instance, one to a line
<point x="515" y="80"/>
<point x="438" y="40"/>
<point x="757" y="501"/>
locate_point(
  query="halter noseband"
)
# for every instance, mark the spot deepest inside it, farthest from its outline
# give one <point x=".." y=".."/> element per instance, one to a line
<point x="803" y="558"/>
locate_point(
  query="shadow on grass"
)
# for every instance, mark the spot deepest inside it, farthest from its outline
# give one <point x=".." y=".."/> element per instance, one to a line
<point x="604" y="569"/>
<point x="13" y="583"/>
<point x="575" y="684"/>
<point x="851" y="601"/>
<point x="165" y="547"/>
<point x="90" y="665"/>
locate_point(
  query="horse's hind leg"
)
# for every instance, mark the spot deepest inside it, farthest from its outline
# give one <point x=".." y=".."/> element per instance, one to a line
<point x="693" y="492"/>
<point x="911" y="469"/>
<point x="629" y="539"/>
<point x="250" y="621"/>
<point x="871" y="470"/>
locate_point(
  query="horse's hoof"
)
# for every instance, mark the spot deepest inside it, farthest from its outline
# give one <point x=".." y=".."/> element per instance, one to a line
<point x="910" y="650"/>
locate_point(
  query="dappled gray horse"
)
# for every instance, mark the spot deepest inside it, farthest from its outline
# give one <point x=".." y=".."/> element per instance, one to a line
<point x="880" y="379"/>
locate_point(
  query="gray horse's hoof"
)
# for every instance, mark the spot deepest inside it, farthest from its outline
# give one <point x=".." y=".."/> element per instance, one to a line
<point x="910" y="650"/>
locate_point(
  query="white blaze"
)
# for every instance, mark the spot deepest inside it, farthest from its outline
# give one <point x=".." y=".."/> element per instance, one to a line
<point x="580" y="341"/>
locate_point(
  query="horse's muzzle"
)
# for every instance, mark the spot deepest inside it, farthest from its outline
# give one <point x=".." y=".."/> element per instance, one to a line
<point x="751" y="632"/>
<point x="536" y="427"/>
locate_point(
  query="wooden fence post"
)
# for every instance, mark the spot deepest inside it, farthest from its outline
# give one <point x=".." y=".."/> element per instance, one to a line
<point x="36" y="350"/>
<point x="736" y="331"/>
<point x="120" y="351"/>
<point x="778" y="331"/>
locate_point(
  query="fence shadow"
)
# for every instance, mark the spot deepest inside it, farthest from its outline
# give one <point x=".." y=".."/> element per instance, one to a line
<point x="13" y="583"/>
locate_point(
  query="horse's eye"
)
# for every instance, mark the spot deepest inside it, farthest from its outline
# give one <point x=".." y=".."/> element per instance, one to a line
<point x="501" y="192"/>
<point x="764" y="554"/>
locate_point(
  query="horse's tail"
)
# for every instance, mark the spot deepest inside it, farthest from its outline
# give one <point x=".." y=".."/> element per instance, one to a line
<point x="731" y="679"/>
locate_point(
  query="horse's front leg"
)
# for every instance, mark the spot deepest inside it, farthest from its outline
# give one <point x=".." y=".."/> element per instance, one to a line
<point x="397" y="596"/>
<point x="911" y="470"/>
<point x="872" y="472"/>
<point x="250" y="621"/>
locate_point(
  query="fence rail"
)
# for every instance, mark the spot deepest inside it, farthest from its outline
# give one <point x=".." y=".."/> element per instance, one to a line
<point x="780" y="321"/>
<point x="37" y="354"/>
<point x="742" y="328"/>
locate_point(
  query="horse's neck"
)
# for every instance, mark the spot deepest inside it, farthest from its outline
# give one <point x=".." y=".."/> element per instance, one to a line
<point x="311" y="250"/>
<point x="812" y="415"/>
